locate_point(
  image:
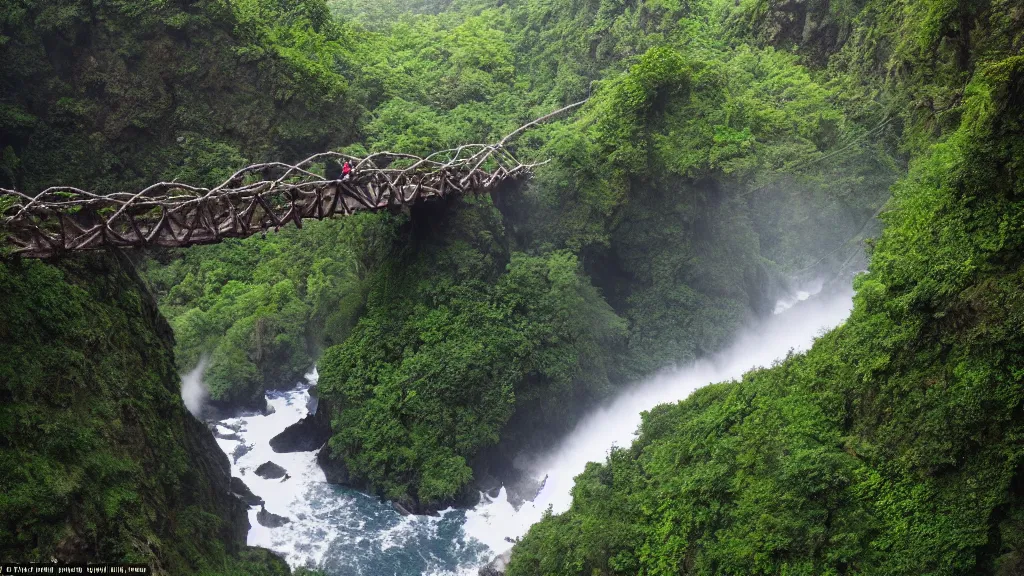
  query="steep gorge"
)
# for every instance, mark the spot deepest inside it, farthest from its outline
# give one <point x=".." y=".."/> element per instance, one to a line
<point x="727" y="147"/>
<point x="893" y="445"/>
<point x="98" y="457"/>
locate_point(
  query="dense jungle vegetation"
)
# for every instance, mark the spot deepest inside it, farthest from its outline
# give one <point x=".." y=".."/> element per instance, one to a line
<point x="893" y="446"/>
<point x="696" y="180"/>
<point x="702" y="175"/>
<point x="727" y="150"/>
<point x="99" y="460"/>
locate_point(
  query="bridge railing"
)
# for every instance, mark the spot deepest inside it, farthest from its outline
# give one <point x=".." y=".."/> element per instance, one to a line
<point x="258" y="197"/>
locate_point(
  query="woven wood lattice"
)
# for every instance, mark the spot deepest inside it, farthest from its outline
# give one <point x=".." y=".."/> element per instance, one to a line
<point x="256" y="198"/>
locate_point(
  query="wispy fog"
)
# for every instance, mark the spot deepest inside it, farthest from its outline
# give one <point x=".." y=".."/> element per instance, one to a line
<point x="798" y="321"/>
<point x="193" y="391"/>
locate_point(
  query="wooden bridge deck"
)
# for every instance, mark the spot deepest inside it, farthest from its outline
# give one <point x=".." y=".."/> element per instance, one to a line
<point x="265" y="196"/>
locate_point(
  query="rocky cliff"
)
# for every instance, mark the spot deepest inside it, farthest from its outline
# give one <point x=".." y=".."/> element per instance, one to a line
<point x="99" y="459"/>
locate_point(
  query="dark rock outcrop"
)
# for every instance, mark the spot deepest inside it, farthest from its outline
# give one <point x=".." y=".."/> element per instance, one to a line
<point x="468" y="497"/>
<point x="334" y="469"/>
<point x="522" y="487"/>
<point x="240" y="450"/>
<point x="269" y="519"/>
<point x="306" y="435"/>
<point x="804" y="23"/>
<point x="400" y="509"/>
<point x="238" y="488"/>
<point x="269" y="470"/>
<point x="224" y="435"/>
<point x="313" y="402"/>
<point x="126" y="371"/>
<point x="488" y="484"/>
<point x="216" y="410"/>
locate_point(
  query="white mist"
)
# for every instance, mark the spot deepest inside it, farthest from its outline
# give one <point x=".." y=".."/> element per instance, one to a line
<point x="345" y="532"/>
<point x="793" y="328"/>
<point x="193" y="391"/>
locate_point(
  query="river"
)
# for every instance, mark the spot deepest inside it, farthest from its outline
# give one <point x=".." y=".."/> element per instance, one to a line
<point x="344" y="532"/>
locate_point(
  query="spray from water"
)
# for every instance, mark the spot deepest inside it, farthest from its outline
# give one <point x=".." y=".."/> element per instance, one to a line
<point x="193" y="391"/>
<point x="799" y="320"/>
<point x="346" y="532"/>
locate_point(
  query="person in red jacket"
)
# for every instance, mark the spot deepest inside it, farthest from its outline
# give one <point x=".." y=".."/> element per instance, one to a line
<point x="346" y="170"/>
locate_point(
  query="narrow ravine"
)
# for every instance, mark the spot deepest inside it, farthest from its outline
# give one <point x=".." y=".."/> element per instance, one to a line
<point x="795" y="324"/>
<point x="342" y="531"/>
<point x="339" y="530"/>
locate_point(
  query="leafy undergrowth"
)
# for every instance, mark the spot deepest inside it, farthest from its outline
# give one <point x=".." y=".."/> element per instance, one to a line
<point x="262" y="309"/>
<point x="458" y="336"/>
<point x="698" y="175"/>
<point x="99" y="460"/>
<point x="894" y="446"/>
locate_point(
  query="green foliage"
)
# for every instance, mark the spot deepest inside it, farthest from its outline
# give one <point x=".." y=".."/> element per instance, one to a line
<point x="99" y="459"/>
<point x="261" y="309"/>
<point x="892" y="446"/>
<point x="123" y="93"/>
<point x="700" y="174"/>
<point x="697" y="175"/>
<point x="458" y="336"/>
<point x="702" y="171"/>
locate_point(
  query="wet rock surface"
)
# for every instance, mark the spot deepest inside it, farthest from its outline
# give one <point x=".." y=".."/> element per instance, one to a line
<point x="488" y="484"/>
<point x="231" y="434"/>
<point x="269" y="470"/>
<point x="498" y="566"/>
<point x="522" y="487"/>
<point x="269" y="519"/>
<point x="313" y="402"/>
<point x="238" y="488"/>
<point x="216" y="411"/>
<point x="334" y="469"/>
<point x="306" y="435"/>
<point x="240" y="450"/>
<point x="400" y="509"/>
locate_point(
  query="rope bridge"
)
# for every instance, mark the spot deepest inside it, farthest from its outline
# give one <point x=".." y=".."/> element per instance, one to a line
<point x="254" y="199"/>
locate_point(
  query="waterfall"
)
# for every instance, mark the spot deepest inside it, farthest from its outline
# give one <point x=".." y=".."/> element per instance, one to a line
<point x="799" y="320"/>
<point x="342" y="531"/>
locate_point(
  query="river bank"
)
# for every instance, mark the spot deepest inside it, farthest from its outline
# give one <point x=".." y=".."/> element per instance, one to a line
<point x="315" y="524"/>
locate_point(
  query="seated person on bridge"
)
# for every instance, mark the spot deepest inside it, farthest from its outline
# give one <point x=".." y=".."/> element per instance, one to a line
<point x="346" y="170"/>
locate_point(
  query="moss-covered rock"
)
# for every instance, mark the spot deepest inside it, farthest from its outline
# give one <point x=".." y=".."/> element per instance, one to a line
<point x="894" y="445"/>
<point x="99" y="459"/>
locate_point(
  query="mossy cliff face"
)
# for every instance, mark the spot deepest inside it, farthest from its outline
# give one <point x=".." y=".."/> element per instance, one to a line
<point x="893" y="446"/>
<point x="99" y="460"/>
<point x="114" y="96"/>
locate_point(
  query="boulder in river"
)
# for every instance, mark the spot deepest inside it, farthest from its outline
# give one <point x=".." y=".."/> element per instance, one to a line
<point x="269" y="470"/>
<point x="334" y="468"/>
<point x="232" y="434"/>
<point x="238" y="488"/>
<point x="240" y="450"/>
<point x="314" y="399"/>
<point x="269" y="519"/>
<point x="498" y="566"/>
<point x="400" y="509"/>
<point x="217" y="411"/>
<point x="522" y="487"/>
<point x="306" y="435"/>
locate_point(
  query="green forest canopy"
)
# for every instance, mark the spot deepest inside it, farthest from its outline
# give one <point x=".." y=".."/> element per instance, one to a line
<point x="727" y="147"/>
<point x="701" y="174"/>
<point x="892" y="447"/>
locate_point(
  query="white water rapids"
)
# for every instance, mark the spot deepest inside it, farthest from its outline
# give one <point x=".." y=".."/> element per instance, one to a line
<point x="344" y="532"/>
